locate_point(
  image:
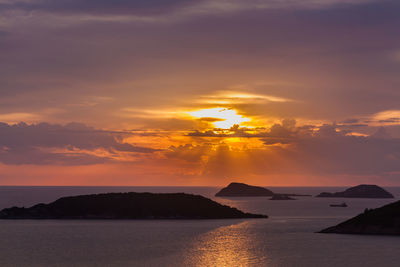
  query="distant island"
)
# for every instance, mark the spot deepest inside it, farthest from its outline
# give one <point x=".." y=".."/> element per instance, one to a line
<point x="380" y="221"/>
<point x="360" y="191"/>
<point x="129" y="206"/>
<point x="245" y="190"/>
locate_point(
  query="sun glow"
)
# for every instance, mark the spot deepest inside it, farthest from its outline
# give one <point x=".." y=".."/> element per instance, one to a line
<point x="223" y="117"/>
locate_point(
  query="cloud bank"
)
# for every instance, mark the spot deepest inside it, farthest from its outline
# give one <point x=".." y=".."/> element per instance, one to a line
<point x="313" y="149"/>
<point x="70" y="144"/>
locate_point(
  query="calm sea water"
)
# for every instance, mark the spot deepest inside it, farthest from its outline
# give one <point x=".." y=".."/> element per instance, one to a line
<point x="287" y="238"/>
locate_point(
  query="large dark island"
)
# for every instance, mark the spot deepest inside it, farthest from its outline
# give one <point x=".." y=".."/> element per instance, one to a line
<point x="380" y="221"/>
<point x="129" y="206"/>
<point x="360" y="191"/>
<point x="245" y="190"/>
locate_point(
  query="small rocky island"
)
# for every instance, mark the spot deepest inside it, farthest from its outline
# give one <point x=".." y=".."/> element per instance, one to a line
<point x="129" y="206"/>
<point x="360" y="191"/>
<point x="245" y="190"/>
<point x="380" y="221"/>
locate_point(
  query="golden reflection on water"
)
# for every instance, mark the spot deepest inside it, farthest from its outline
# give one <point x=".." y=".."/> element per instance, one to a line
<point x="232" y="245"/>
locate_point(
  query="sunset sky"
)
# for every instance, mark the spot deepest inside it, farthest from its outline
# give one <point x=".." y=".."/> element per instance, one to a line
<point x="174" y="92"/>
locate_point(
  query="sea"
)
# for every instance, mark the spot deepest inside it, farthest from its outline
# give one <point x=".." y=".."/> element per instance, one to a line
<point x="287" y="238"/>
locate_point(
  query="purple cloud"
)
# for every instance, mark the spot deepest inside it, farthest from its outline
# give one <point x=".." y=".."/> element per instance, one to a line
<point x="33" y="144"/>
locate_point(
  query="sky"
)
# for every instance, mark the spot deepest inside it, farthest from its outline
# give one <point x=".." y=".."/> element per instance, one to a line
<point x="184" y="92"/>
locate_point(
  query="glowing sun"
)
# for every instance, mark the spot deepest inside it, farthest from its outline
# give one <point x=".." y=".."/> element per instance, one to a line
<point x="224" y="118"/>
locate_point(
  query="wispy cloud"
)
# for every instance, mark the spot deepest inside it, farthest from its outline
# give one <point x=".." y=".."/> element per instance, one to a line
<point x="237" y="97"/>
<point x="387" y="117"/>
<point x="18" y="116"/>
<point x="379" y="119"/>
<point x="148" y="11"/>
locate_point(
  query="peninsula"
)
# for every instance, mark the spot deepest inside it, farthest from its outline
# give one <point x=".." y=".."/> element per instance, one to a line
<point x="129" y="206"/>
<point x="360" y="191"/>
<point x="380" y="221"/>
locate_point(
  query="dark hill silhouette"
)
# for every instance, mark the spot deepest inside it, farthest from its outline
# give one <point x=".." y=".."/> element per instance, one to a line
<point x="129" y="206"/>
<point x="360" y="191"/>
<point x="245" y="190"/>
<point x="381" y="221"/>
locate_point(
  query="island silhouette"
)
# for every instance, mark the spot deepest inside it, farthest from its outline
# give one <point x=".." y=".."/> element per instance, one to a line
<point x="381" y="221"/>
<point x="129" y="206"/>
<point x="245" y="190"/>
<point x="360" y="191"/>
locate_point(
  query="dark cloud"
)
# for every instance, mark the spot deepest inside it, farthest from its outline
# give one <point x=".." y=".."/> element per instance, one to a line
<point x="351" y="121"/>
<point x="390" y="120"/>
<point x="35" y="156"/>
<point x="96" y="6"/>
<point x="73" y="143"/>
<point x="208" y="133"/>
<point x="354" y="125"/>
